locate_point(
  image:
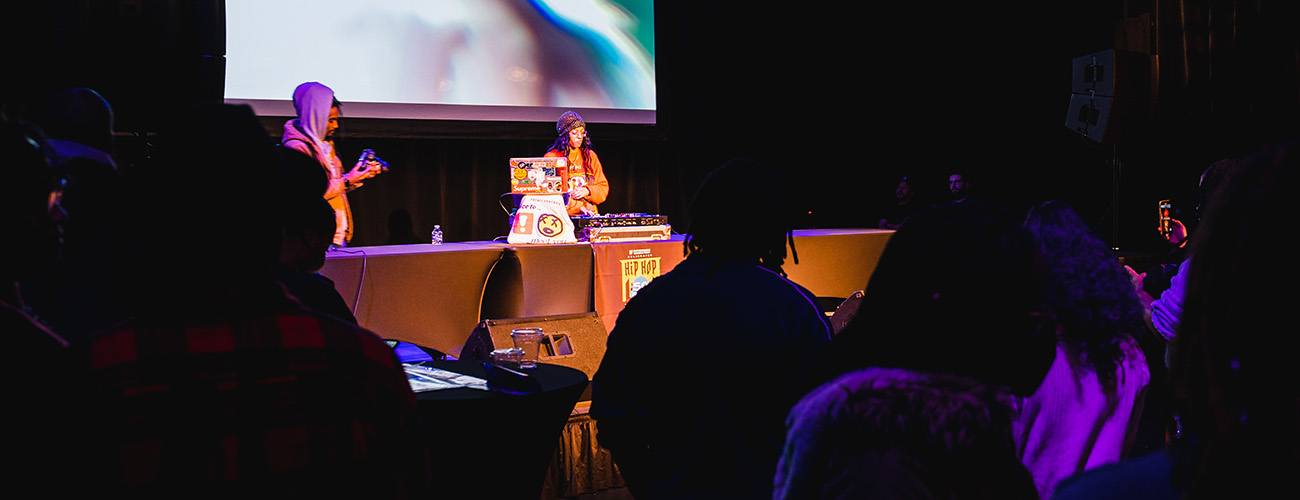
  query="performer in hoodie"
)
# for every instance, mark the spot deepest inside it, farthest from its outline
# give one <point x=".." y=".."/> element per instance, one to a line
<point x="311" y="134"/>
<point x="587" y="184"/>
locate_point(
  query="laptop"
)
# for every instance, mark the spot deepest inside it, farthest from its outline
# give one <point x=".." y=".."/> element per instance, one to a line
<point x="538" y="175"/>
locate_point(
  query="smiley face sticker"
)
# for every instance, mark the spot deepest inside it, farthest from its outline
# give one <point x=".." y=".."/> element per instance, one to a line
<point x="549" y="225"/>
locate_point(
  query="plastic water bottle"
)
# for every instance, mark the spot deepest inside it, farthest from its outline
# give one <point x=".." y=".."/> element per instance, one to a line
<point x="436" y="237"/>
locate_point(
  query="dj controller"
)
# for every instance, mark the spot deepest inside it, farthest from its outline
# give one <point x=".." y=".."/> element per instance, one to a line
<point x="622" y="227"/>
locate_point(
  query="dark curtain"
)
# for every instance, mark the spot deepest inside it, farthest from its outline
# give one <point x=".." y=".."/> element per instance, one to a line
<point x="456" y="182"/>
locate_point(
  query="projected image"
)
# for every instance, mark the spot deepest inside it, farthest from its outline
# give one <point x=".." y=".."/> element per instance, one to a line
<point x="522" y="53"/>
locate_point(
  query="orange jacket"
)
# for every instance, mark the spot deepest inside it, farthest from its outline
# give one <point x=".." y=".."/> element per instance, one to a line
<point x="595" y="182"/>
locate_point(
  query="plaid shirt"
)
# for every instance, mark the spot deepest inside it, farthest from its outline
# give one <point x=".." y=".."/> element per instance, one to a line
<point x="286" y="403"/>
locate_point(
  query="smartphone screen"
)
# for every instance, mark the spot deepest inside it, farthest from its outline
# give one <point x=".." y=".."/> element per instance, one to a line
<point x="1164" y="207"/>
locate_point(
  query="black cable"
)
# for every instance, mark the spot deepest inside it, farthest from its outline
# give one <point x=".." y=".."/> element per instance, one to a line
<point x="501" y="201"/>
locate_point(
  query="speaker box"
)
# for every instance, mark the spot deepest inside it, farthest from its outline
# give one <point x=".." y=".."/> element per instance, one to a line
<point x="1090" y="116"/>
<point x="1110" y="73"/>
<point x="1110" y="92"/>
<point x="572" y="340"/>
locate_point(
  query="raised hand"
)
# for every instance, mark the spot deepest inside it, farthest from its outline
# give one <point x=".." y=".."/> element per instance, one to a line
<point x="1177" y="233"/>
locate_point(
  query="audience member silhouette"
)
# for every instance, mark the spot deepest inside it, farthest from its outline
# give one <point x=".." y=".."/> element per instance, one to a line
<point x="1085" y="413"/>
<point x="959" y="186"/>
<point x="35" y="379"/>
<point x="221" y="385"/>
<point x="904" y="206"/>
<point x="706" y="360"/>
<point x="306" y="232"/>
<point x="77" y="292"/>
<point x="946" y="336"/>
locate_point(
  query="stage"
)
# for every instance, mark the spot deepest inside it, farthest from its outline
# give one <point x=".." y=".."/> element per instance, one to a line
<point x="435" y="295"/>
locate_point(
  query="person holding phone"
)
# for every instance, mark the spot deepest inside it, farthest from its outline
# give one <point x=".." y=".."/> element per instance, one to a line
<point x="1171" y="229"/>
<point x="1165" y="312"/>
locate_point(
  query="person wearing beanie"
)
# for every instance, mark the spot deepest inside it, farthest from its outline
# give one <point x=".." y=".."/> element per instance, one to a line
<point x="588" y="187"/>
